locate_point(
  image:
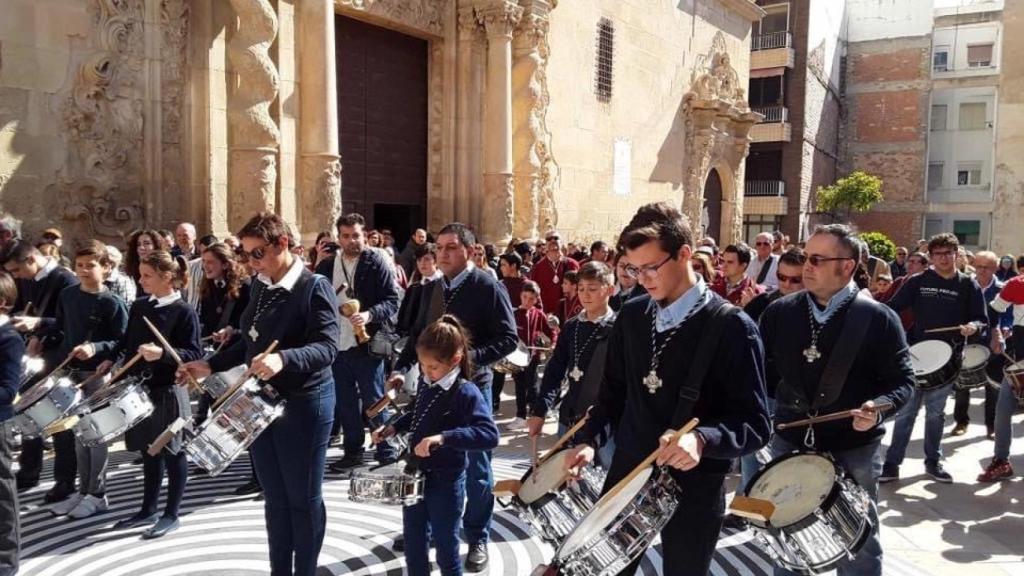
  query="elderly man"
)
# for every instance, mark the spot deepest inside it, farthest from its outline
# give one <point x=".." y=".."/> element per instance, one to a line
<point x="185" y="241"/>
<point x="550" y="270"/>
<point x="10" y="229"/>
<point x="407" y="259"/>
<point x="898" y="267"/>
<point x="764" y="264"/>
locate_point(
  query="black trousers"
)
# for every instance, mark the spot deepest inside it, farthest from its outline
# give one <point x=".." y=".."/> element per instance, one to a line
<point x="527" y="389"/>
<point x="688" y="540"/>
<point x="498" y="383"/>
<point x="963" y="402"/>
<point x="65" y="464"/>
<point x="10" y="527"/>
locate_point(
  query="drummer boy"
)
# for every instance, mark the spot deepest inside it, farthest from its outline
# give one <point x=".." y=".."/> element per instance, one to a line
<point x="12" y="349"/>
<point x="531" y="322"/>
<point x="579" y="356"/>
<point x="450" y="418"/>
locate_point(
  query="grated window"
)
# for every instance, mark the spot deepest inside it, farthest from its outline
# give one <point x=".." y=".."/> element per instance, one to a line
<point x="605" y="60"/>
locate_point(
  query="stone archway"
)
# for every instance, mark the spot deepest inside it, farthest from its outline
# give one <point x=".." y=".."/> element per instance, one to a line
<point x="717" y="120"/>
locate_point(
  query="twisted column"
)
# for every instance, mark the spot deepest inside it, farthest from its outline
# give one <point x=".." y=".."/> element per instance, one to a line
<point x="526" y="104"/>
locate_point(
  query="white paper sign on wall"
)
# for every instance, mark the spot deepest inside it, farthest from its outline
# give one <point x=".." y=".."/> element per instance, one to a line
<point x="622" y="174"/>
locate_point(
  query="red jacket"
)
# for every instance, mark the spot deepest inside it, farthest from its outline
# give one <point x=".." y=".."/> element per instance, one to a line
<point x="530" y="324"/>
<point x="721" y="288"/>
<point x="549" y="276"/>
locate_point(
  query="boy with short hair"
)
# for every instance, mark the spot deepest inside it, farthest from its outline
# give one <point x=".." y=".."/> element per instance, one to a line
<point x="579" y="355"/>
<point x="569" y="306"/>
<point x="531" y="322"/>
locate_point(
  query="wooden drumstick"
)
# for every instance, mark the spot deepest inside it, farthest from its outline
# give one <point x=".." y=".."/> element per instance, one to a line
<point x="193" y="383"/>
<point x="944" y="329"/>
<point x="384" y="401"/>
<point x="752" y="508"/>
<point x="827" y="417"/>
<point x="120" y="371"/>
<point x="566" y="437"/>
<point x="245" y="376"/>
<point x="59" y="366"/>
<point x="646" y="463"/>
<point x="166" y="436"/>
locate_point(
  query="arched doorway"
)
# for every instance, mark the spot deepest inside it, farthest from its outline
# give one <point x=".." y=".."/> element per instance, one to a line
<point x="711" y="217"/>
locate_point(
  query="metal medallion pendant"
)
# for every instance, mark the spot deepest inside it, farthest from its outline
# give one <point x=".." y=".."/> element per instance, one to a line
<point x="652" y="381"/>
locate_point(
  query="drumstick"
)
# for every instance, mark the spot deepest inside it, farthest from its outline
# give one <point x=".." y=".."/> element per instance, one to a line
<point x="120" y="372"/>
<point x="566" y="437"/>
<point x="59" y="366"/>
<point x="645" y="464"/>
<point x="170" y="350"/>
<point x="946" y="329"/>
<point x="206" y="338"/>
<point x="752" y="508"/>
<point x="27" y="311"/>
<point x="384" y="401"/>
<point x="245" y="376"/>
<point x="533" y="457"/>
<point x="827" y="417"/>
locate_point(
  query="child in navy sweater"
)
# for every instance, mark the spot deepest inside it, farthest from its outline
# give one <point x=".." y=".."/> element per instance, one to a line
<point x="450" y="418"/>
<point x="12" y="349"/>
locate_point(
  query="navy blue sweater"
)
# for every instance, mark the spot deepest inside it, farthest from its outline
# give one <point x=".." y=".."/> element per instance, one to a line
<point x="304" y="320"/>
<point x="939" y="302"/>
<point x="561" y="363"/>
<point x="881" y="371"/>
<point x="483" y="307"/>
<point x="732" y="408"/>
<point x="100" y="318"/>
<point x="375" y="287"/>
<point x="177" y="322"/>
<point x="12" y="349"/>
<point x="463" y="419"/>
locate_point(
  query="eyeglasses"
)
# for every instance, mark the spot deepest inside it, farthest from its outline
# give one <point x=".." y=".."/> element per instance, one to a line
<point x="784" y="279"/>
<point x="649" y="271"/>
<point x="255" y="254"/>
<point x="817" y="260"/>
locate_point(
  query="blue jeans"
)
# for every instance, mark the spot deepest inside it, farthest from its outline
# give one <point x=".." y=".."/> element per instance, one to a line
<point x="359" y="382"/>
<point x="752" y="463"/>
<point x="1005" y="407"/>
<point x="439" y="515"/>
<point x="479" y="484"/>
<point x="934" y="414"/>
<point x="864" y="465"/>
<point x="289" y="458"/>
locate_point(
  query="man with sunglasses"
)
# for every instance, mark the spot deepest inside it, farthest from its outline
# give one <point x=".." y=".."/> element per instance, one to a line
<point x="679" y="352"/>
<point x="789" y="276"/>
<point x="762" y="267"/>
<point x="835" y="349"/>
<point x="550" y="270"/>
<point x="940" y="297"/>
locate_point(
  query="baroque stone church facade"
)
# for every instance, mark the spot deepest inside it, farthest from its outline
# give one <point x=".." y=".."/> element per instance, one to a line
<point x="517" y="116"/>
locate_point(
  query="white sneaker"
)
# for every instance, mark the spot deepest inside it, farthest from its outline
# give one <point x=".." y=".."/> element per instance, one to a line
<point x="517" y="424"/>
<point x="88" y="506"/>
<point x="66" y="505"/>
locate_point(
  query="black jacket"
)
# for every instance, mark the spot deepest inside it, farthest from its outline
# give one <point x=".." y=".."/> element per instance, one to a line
<point x="375" y="287"/>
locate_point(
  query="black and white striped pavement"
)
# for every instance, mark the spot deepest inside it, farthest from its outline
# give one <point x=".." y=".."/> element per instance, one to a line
<point x="223" y="534"/>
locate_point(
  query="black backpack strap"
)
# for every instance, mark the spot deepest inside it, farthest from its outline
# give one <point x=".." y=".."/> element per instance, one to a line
<point x="689" y="392"/>
<point x="851" y="336"/>
<point x="765" y="268"/>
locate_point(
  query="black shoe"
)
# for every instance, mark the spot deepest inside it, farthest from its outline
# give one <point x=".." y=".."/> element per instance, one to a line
<point x="399" y="544"/>
<point x="250" y="487"/>
<point x="135" y="521"/>
<point x="890" y="472"/>
<point x="26" y="483"/>
<point x="476" y="559"/>
<point x="59" y="492"/>
<point x="734" y="522"/>
<point x="938" y="473"/>
<point x="162" y="527"/>
<point x="347" y="463"/>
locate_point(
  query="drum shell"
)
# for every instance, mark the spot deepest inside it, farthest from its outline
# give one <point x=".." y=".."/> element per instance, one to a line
<point x="940" y="377"/>
<point x="389" y="486"/>
<point x="973" y="375"/>
<point x="100" y="423"/>
<point x="218" y="383"/>
<point x="232" y="428"/>
<point x="62" y="398"/>
<point x="554" y="515"/>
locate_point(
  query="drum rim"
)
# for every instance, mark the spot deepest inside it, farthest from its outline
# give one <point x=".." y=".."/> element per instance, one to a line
<point x="859" y="543"/>
<point x="828" y="502"/>
<point x="529" y="472"/>
<point x="48" y="384"/>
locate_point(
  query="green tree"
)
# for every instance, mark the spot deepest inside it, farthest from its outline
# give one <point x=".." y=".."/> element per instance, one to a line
<point x="857" y="192"/>
<point x="880" y="245"/>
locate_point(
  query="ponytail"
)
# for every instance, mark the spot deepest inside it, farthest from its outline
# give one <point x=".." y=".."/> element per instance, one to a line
<point x="445" y="338"/>
<point x="164" y="263"/>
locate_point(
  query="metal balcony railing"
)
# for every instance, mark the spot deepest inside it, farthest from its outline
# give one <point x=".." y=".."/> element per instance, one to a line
<point x="772" y="114"/>
<point x="771" y="40"/>
<point x="764" y="188"/>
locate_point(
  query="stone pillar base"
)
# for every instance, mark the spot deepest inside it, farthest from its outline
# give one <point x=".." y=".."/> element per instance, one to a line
<point x="321" y="198"/>
<point x="253" y="184"/>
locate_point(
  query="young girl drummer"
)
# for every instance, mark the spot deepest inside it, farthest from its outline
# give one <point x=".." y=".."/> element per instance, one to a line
<point x="160" y="276"/>
<point x="450" y="418"/>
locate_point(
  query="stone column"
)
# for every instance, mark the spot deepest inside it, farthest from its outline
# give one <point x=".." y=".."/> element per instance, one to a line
<point x="499" y="20"/>
<point x="255" y="136"/>
<point x="467" y="174"/>
<point x="320" y="185"/>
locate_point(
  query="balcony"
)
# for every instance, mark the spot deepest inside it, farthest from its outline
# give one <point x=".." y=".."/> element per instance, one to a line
<point x="774" y="127"/>
<point x="765" y="197"/>
<point x="772" y="50"/>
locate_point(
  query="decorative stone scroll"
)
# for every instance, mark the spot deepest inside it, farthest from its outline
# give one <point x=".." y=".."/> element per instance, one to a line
<point x="425" y="15"/>
<point x="717" y="119"/>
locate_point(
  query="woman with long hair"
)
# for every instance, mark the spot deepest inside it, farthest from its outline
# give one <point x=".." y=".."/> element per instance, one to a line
<point x="140" y="244"/>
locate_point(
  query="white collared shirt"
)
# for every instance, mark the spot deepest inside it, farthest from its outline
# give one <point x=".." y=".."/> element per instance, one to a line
<point x="50" y="266"/>
<point x="461" y="276"/>
<point x="608" y="314"/>
<point x="675" y="313"/>
<point x="166" y="300"/>
<point x="4" y="319"/>
<point x="346" y="334"/>
<point x="289" y="279"/>
<point x="447" y="380"/>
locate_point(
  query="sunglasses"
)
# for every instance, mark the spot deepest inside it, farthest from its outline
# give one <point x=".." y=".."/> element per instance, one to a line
<point x="762" y="243"/>
<point x="817" y="260"/>
<point x="255" y="254"/>
<point x="784" y="279"/>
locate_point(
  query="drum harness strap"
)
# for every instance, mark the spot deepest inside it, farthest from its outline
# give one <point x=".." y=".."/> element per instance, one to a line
<point x="689" y="392"/>
<point x="855" y="327"/>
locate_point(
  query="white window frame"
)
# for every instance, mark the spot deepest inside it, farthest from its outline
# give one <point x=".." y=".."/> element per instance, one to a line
<point x="940" y="50"/>
<point x="960" y="116"/>
<point x="972" y="169"/>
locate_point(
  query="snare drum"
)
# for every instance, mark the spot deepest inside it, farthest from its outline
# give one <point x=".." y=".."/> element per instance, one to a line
<point x="972" y="373"/>
<point x="515" y="362"/>
<point x="389" y="485"/>
<point x="218" y="383"/>
<point x="46" y="402"/>
<point x="31" y="366"/>
<point x="615" y="532"/>
<point x="112" y="411"/>
<point x="820" y="518"/>
<point x="934" y="364"/>
<point x="235" y="424"/>
<point x="550" y="505"/>
<point x="1015" y="374"/>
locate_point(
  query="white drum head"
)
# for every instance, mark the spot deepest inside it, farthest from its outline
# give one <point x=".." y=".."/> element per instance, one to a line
<point x="520" y="357"/>
<point x="929" y="356"/>
<point x="602" y="514"/>
<point x="797" y="486"/>
<point x="975" y="355"/>
<point x="549" y="477"/>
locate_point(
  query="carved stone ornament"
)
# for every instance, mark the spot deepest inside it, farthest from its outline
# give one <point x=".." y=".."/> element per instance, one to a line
<point x="321" y="174"/>
<point x="500" y="19"/>
<point x="717" y="120"/>
<point x="424" y="15"/>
